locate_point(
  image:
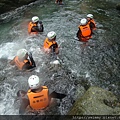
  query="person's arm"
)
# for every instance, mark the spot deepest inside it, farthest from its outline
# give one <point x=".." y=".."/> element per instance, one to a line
<point x="24" y="101"/>
<point x="31" y="59"/>
<point x="23" y="106"/>
<point x="78" y="33"/>
<point x="35" y="29"/>
<point x="54" y="48"/>
<point x="12" y="62"/>
<point x="57" y="95"/>
<point x="40" y="26"/>
<point x="92" y="26"/>
<point x="28" y="66"/>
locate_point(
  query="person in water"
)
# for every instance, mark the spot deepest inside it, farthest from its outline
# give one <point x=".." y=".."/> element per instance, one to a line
<point x="23" y="60"/>
<point x="85" y="30"/>
<point x="91" y="22"/>
<point x="35" y="26"/>
<point x="50" y="45"/>
<point x="38" y="97"/>
<point x="59" y="2"/>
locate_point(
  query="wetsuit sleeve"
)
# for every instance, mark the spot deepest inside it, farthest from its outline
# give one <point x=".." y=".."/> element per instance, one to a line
<point x="57" y="95"/>
<point x="92" y="26"/>
<point x="28" y="66"/>
<point x="78" y="33"/>
<point x="35" y="29"/>
<point x="32" y="60"/>
<point x="38" y="28"/>
<point x="23" y="106"/>
<point x="24" y="101"/>
<point x="53" y="47"/>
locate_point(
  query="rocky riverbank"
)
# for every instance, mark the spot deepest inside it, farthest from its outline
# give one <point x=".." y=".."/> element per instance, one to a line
<point x="15" y="10"/>
<point x="8" y="5"/>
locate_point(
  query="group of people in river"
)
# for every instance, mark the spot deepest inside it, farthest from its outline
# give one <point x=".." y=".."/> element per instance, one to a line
<point x="86" y="28"/>
<point x="39" y="97"/>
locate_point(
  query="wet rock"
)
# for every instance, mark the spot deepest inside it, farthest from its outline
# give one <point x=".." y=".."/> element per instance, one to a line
<point x="118" y="6"/>
<point x="113" y="104"/>
<point x="10" y="11"/>
<point x="96" y="101"/>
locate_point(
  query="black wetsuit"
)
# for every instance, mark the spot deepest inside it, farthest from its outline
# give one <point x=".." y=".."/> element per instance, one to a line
<point x="38" y="28"/>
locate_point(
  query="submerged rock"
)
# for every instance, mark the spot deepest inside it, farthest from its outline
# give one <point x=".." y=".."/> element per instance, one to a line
<point x="96" y="101"/>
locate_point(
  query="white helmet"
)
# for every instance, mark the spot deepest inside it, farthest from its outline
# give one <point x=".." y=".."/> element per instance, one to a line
<point x="34" y="82"/>
<point x="90" y="16"/>
<point x="21" y="53"/>
<point x="83" y="21"/>
<point x="51" y="35"/>
<point x="35" y="19"/>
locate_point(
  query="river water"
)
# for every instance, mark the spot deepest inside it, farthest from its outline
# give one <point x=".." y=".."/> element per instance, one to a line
<point x="94" y="64"/>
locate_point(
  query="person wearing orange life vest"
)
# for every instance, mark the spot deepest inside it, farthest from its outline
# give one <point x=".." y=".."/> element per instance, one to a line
<point x="85" y="31"/>
<point x="91" y="21"/>
<point x="59" y="2"/>
<point x="23" y="60"/>
<point x="35" y="26"/>
<point x="38" y="97"/>
<point x="50" y="45"/>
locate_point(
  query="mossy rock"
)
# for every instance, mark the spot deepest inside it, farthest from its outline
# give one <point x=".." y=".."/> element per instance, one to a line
<point x="93" y="103"/>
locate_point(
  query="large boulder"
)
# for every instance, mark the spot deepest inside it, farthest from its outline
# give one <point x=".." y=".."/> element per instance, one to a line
<point x="96" y="101"/>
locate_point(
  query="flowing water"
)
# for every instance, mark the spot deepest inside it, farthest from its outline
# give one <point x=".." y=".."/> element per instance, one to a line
<point x="94" y="64"/>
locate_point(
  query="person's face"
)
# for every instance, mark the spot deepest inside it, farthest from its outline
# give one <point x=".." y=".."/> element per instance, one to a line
<point x="88" y="18"/>
<point x="52" y="39"/>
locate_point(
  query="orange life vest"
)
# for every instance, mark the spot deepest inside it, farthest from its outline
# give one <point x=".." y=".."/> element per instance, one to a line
<point x="85" y="30"/>
<point x="38" y="100"/>
<point x="19" y="63"/>
<point x="48" y="44"/>
<point x="30" y="27"/>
